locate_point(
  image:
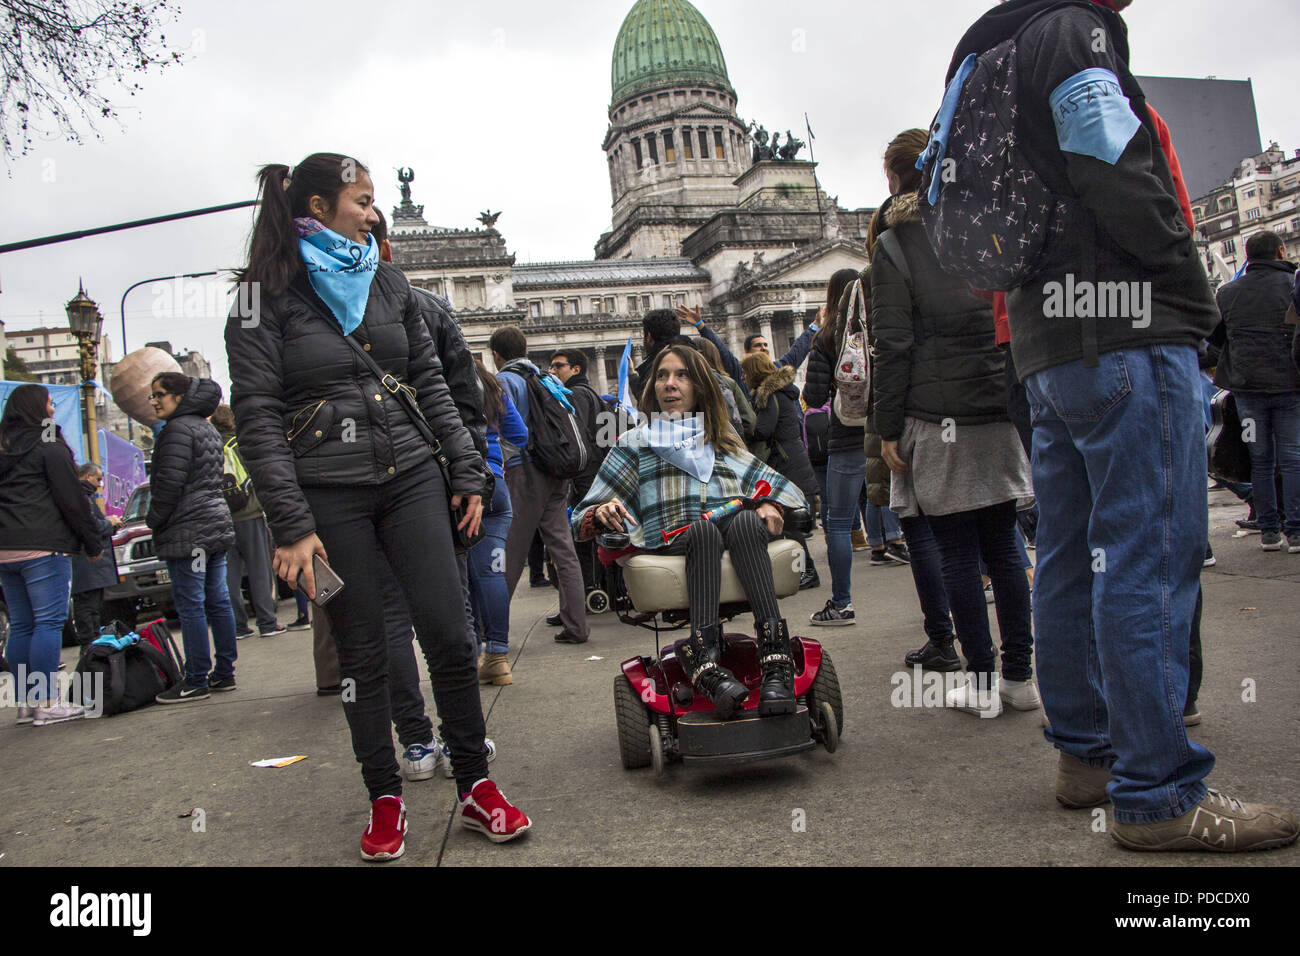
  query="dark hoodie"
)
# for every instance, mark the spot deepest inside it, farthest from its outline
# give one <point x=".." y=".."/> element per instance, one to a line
<point x="1140" y="235"/>
<point x="779" y="424"/>
<point x="186" y="507"/>
<point x="42" y="504"/>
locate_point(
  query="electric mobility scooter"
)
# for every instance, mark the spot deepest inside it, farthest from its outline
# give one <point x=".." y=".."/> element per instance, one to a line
<point x="660" y="716"/>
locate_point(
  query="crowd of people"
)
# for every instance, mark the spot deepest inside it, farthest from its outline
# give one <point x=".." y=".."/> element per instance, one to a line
<point x="991" y="426"/>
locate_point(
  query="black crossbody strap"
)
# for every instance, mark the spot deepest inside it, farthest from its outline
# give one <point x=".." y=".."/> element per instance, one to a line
<point x="405" y="398"/>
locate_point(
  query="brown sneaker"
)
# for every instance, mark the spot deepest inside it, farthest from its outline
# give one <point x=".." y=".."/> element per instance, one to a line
<point x="1218" y="823"/>
<point x="495" y="669"/>
<point x="1079" y="786"/>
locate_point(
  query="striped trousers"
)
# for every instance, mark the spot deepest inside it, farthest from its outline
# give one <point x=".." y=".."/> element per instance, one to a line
<point x="746" y="537"/>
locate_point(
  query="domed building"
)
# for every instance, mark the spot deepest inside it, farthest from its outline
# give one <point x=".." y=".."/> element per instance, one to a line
<point x="700" y="217"/>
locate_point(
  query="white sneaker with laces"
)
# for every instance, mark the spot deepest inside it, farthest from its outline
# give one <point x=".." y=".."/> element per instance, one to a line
<point x="446" y="757"/>
<point x="977" y="696"/>
<point x="420" y="761"/>
<point x="1019" y="694"/>
<point x="57" y="714"/>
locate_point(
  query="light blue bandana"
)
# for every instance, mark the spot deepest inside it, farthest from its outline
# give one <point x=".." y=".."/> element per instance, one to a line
<point x="340" y="270"/>
<point x="681" y="442"/>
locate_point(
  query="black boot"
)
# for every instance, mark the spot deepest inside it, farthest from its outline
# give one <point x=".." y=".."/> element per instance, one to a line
<point x="776" y="695"/>
<point x="700" y="655"/>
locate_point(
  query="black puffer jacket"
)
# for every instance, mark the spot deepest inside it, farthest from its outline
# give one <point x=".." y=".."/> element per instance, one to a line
<point x="935" y="354"/>
<point x="186" y="507"/>
<point x="42" y="504"/>
<point x="308" y="413"/>
<point x="457" y="364"/>
<point x="780" y="424"/>
<point x="90" y="575"/>
<point x="1253" y="336"/>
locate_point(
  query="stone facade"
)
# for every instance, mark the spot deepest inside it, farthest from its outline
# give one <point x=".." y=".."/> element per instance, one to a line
<point x="1263" y="194"/>
<point x="695" y="220"/>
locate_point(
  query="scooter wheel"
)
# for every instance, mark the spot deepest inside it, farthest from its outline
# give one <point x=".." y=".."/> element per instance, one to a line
<point x="656" y="751"/>
<point x="830" y="732"/>
<point x="597" y="602"/>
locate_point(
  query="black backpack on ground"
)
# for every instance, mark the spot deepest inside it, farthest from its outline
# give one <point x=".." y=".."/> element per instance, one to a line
<point x="557" y="443"/>
<point x="132" y="676"/>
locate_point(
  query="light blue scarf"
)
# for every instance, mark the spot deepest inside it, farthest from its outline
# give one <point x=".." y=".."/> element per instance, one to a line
<point x="340" y="270"/>
<point x="681" y="442"/>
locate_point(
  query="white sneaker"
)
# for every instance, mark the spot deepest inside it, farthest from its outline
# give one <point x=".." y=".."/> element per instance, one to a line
<point x="983" y="700"/>
<point x="420" y="761"/>
<point x="26" y="714"/>
<point x="57" y="714"/>
<point x="1019" y="694"/>
<point x="446" y="757"/>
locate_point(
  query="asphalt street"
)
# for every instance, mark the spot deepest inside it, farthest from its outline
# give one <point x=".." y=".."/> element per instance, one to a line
<point x="907" y="785"/>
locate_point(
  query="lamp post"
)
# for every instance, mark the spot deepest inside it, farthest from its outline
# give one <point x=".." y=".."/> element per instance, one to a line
<point x="85" y="322"/>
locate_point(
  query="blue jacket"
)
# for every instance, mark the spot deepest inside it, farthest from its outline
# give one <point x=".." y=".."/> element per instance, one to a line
<point x="512" y="429"/>
<point x="517" y="390"/>
<point x="794" y="358"/>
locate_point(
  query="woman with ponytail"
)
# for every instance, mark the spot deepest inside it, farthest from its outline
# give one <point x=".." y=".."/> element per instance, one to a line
<point x="344" y="473"/>
<point x="959" y="471"/>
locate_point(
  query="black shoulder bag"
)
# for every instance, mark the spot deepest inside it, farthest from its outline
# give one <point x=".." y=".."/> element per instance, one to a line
<point x="405" y="396"/>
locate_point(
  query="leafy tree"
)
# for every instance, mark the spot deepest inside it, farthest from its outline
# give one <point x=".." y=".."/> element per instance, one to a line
<point x="57" y="57"/>
<point x="16" y="369"/>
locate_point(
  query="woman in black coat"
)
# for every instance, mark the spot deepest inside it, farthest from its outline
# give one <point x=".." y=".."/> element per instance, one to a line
<point x="193" y="530"/>
<point x="44" y="517"/>
<point x="89" y="578"/>
<point x="778" y="433"/>
<point x="343" y="473"/>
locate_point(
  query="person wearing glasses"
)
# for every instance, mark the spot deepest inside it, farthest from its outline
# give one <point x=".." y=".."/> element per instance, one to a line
<point x="193" y="530"/>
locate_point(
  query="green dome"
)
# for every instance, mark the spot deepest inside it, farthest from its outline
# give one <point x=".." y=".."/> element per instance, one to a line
<point x="665" y="43"/>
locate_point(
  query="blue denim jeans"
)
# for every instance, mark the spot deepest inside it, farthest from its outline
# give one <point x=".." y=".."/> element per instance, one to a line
<point x="927" y="575"/>
<point x="36" y="593"/>
<point x="202" y="599"/>
<point x="1119" y="470"/>
<point x="882" y="526"/>
<point x="487" y="574"/>
<point x="845" y="473"/>
<point x="1277" y="444"/>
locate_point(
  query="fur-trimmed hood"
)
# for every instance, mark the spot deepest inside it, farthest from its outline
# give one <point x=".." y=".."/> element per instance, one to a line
<point x="781" y="378"/>
<point x="905" y="207"/>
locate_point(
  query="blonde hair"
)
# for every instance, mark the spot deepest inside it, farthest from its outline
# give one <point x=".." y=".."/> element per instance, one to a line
<point x="757" y="366"/>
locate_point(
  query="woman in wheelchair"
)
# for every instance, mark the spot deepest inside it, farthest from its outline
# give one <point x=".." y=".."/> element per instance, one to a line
<point x="667" y="473"/>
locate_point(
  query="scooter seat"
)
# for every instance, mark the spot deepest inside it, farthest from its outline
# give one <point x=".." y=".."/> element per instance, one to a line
<point x="657" y="583"/>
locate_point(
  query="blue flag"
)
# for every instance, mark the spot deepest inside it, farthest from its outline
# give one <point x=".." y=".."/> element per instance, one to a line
<point x="624" y="370"/>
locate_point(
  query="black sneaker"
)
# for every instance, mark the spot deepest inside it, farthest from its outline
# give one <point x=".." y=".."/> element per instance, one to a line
<point x="832" y="616"/>
<point x="300" y="623"/>
<point x="1210" y="560"/>
<point x="554" y="621"/>
<point x="566" y="638"/>
<point x="182" y="693"/>
<point x="1249" y="525"/>
<point x="246" y="633"/>
<point x="879" y="557"/>
<point x="809" y="581"/>
<point x="935" y="657"/>
<point x="220" y="684"/>
<point x="897" y="551"/>
<point x="1270" y="541"/>
<point x="279" y="629"/>
<point x="1293" y="544"/>
<point x="1191" y="714"/>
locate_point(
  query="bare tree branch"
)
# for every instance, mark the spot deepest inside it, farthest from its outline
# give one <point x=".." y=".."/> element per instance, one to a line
<point x="61" y="59"/>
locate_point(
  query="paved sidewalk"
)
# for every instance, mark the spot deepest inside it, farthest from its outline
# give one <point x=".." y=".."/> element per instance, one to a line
<point x="907" y="786"/>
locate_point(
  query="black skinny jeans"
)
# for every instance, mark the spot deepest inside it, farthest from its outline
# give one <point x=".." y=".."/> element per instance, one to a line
<point x="927" y="575"/>
<point x="745" y="536"/>
<point x="406" y="521"/>
<point x="991" y="532"/>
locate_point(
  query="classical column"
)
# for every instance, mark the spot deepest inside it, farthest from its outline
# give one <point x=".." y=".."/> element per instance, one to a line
<point x="765" y="327"/>
<point x="732" y="336"/>
<point x="599" y="380"/>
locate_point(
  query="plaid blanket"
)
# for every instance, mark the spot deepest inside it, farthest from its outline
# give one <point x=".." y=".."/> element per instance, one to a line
<point x="661" y="497"/>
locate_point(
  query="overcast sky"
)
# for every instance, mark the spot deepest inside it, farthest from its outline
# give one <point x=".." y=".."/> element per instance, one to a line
<point x="501" y="105"/>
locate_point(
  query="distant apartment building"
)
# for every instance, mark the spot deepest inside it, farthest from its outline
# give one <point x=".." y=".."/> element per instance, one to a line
<point x="1261" y="195"/>
<point x="53" y="356"/>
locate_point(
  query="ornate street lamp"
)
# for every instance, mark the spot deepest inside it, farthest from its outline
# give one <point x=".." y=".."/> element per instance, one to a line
<point x="85" y="322"/>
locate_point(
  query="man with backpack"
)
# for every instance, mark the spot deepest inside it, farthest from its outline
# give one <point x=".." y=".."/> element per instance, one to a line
<point x="538" y="476"/>
<point x="252" y="550"/>
<point x="1107" y="301"/>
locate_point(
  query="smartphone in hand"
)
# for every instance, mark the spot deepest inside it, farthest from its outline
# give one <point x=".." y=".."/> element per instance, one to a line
<point x="328" y="584"/>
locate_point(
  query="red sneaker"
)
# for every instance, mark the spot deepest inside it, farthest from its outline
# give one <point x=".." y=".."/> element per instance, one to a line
<point x="486" y="810"/>
<point x="384" y="838"/>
